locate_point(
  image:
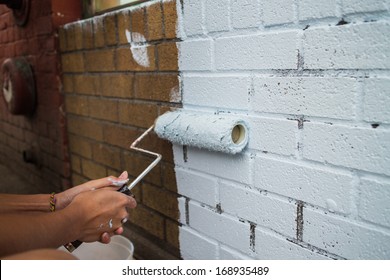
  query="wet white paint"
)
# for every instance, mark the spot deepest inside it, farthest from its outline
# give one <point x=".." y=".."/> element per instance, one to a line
<point x="110" y="223"/>
<point x="208" y="131"/>
<point x="139" y="52"/>
<point x="118" y="182"/>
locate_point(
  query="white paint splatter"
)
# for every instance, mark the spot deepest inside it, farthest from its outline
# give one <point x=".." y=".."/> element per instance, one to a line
<point x="110" y="223"/>
<point x="174" y="95"/>
<point x="140" y="53"/>
<point x="118" y="183"/>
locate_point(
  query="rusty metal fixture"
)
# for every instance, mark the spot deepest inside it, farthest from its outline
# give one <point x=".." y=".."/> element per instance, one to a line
<point x="20" y="8"/>
<point x="18" y="86"/>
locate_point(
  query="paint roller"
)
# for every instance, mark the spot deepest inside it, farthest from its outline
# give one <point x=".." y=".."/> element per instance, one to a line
<point x="220" y="133"/>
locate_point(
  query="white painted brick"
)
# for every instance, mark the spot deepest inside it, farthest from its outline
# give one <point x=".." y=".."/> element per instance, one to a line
<point x="220" y="92"/>
<point x="374" y="204"/>
<point x="245" y="13"/>
<point x="311" y="9"/>
<point x="358" y="6"/>
<point x="223" y="228"/>
<point x="192" y="18"/>
<point x="259" y="51"/>
<point x="313" y="185"/>
<point x="217" y="15"/>
<point x="199" y="187"/>
<point x="195" y="246"/>
<point x="261" y="209"/>
<point x="195" y="55"/>
<point x="181" y="201"/>
<point x="277" y="11"/>
<point x="265" y="131"/>
<point x="343" y="237"/>
<point x="377" y="100"/>
<point x="310" y="96"/>
<point x="352" y="46"/>
<point x="269" y="246"/>
<point x="226" y="253"/>
<point x="354" y="147"/>
<point x="233" y="167"/>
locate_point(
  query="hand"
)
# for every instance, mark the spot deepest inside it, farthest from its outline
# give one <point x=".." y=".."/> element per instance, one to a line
<point x="100" y="213"/>
<point x="66" y="197"/>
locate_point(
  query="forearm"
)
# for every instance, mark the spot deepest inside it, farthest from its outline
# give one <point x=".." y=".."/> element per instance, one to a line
<point x="41" y="230"/>
<point x="12" y="203"/>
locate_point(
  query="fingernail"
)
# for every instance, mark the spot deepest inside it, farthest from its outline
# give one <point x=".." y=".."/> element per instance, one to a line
<point x="124" y="175"/>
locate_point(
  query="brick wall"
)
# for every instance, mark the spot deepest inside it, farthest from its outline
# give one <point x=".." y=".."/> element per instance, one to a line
<point x="120" y="71"/>
<point x="311" y="78"/>
<point x="43" y="133"/>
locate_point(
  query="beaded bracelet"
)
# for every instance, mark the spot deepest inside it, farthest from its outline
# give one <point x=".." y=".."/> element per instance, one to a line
<point x="52" y="202"/>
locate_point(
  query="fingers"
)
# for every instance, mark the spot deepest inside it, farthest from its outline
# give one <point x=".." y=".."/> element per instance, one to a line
<point x="107" y="181"/>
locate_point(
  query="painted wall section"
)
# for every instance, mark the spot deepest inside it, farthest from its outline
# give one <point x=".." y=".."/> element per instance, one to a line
<point x="312" y="80"/>
<point x="120" y="71"/>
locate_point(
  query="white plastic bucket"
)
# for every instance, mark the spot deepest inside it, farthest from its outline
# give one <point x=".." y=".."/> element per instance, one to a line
<point x="120" y="248"/>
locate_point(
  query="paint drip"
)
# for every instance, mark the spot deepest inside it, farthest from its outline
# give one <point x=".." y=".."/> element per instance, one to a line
<point x="222" y="133"/>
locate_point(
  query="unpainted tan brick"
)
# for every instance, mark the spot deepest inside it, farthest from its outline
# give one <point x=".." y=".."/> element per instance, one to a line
<point x="67" y="83"/>
<point x="98" y="32"/>
<point x="137" y="114"/>
<point x="100" y="61"/>
<point x="138" y="25"/>
<point x="78" y="36"/>
<point x="169" y="176"/>
<point x="172" y="233"/>
<point x="161" y="200"/>
<point x="116" y="85"/>
<point x="70" y="38"/>
<point x="92" y="170"/>
<point x="86" y="127"/>
<point x="124" y="25"/>
<point x="167" y="56"/>
<point x="106" y="155"/>
<point x="104" y="109"/>
<point x="80" y="146"/>
<point x="85" y="84"/>
<point x="119" y="136"/>
<point x="88" y="36"/>
<point x="136" y="163"/>
<point x="157" y="87"/>
<point x="170" y="19"/>
<point x="154" y="22"/>
<point x="148" y="220"/>
<point x="72" y="63"/>
<point x="77" y="105"/>
<point x="126" y="61"/>
<point x="75" y="163"/>
<point x="110" y="30"/>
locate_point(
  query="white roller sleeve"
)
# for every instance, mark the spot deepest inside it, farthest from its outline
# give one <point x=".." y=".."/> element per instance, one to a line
<point x="222" y="133"/>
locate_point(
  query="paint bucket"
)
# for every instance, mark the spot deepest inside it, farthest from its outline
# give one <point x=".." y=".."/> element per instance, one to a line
<point x="120" y="248"/>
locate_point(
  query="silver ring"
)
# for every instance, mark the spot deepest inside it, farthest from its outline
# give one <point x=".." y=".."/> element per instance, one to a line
<point x="124" y="220"/>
